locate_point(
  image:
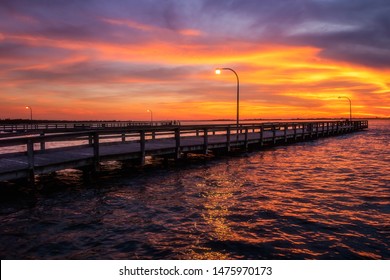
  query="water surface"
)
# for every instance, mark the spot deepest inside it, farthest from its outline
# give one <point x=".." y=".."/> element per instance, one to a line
<point x="322" y="199"/>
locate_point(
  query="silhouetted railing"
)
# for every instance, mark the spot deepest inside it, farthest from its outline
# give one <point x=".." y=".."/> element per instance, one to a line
<point x="68" y="126"/>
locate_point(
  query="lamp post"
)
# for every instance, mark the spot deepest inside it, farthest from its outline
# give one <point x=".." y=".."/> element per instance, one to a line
<point x="350" y="106"/>
<point x="151" y="116"/>
<point x="218" y="71"/>
<point x="29" y="107"/>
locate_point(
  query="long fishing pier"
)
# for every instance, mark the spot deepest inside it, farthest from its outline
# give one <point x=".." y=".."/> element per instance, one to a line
<point x="48" y="150"/>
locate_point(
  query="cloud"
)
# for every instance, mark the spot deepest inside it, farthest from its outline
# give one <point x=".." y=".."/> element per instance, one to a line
<point x="333" y="26"/>
<point x="19" y="52"/>
<point x="91" y="71"/>
<point x="296" y="53"/>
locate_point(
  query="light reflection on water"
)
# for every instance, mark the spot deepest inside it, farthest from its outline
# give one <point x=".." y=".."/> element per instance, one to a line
<point x="326" y="199"/>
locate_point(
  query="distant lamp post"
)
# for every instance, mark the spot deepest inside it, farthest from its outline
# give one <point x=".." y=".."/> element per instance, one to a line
<point x="218" y="72"/>
<point x="29" y="107"/>
<point x="350" y="106"/>
<point x="151" y="116"/>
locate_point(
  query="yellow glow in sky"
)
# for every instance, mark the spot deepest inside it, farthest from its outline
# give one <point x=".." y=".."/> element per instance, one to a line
<point x="107" y="66"/>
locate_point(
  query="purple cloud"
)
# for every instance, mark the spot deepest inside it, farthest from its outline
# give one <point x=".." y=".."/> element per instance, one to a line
<point x="333" y="26"/>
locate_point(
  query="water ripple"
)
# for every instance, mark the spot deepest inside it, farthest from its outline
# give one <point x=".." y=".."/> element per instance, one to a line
<point x="324" y="199"/>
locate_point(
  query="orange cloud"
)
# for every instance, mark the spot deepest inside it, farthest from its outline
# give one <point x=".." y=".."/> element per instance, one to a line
<point x="103" y="80"/>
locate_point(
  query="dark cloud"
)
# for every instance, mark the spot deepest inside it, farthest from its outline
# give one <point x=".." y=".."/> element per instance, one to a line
<point x="95" y="72"/>
<point x="23" y="53"/>
<point x="372" y="57"/>
<point x="71" y="20"/>
<point x="356" y="31"/>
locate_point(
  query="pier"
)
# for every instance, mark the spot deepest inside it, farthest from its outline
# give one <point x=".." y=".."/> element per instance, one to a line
<point x="49" y="150"/>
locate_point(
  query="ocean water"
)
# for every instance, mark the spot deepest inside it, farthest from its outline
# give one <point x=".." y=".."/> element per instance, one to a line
<point x="321" y="199"/>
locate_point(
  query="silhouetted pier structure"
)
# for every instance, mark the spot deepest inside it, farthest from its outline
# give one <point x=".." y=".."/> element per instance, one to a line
<point x="12" y="129"/>
<point x="27" y="156"/>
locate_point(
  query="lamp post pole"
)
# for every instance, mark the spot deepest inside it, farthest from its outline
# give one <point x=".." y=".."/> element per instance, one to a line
<point x="350" y="106"/>
<point x="151" y="116"/>
<point x="29" y="107"/>
<point x="218" y="71"/>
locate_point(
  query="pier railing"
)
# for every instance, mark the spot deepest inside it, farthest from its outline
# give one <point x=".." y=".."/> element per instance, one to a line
<point x="32" y="127"/>
<point x="23" y="156"/>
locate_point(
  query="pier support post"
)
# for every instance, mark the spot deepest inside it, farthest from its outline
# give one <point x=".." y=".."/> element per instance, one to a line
<point x="96" y="152"/>
<point x="88" y="172"/>
<point x="228" y="139"/>
<point x="142" y="146"/>
<point x="30" y="159"/>
<point x="310" y="128"/>
<point x="285" y="133"/>
<point x="205" y="140"/>
<point x="274" y="134"/>
<point x="246" y="139"/>
<point x="295" y="132"/>
<point x="42" y="134"/>
<point x="261" y="136"/>
<point x="177" y="140"/>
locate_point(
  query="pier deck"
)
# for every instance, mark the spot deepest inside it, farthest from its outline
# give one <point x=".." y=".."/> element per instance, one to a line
<point x="24" y="157"/>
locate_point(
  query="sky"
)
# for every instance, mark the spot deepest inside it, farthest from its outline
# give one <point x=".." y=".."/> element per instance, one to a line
<point x="114" y="60"/>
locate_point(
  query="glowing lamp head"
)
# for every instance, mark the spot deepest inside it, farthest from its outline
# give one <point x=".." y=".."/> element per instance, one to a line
<point x="148" y="111"/>
<point x="218" y="71"/>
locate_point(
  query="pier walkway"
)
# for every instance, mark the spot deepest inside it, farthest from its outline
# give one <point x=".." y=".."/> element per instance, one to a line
<point x="27" y="156"/>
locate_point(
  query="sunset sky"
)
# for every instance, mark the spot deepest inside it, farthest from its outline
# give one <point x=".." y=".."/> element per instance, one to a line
<point x="104" y="60"/>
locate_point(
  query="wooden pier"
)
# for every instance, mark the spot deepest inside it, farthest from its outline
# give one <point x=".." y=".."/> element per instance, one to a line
<point x="48" y="151"/>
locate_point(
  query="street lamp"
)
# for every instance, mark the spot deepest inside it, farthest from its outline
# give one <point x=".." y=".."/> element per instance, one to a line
<point x="29" y="107"/>
<point x="218" y="71"/>
<point x="151" y="116"/>
<point x="350" y="106"/>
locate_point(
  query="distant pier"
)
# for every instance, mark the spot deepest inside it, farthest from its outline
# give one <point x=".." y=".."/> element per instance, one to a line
<point x="51" y="149"/>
